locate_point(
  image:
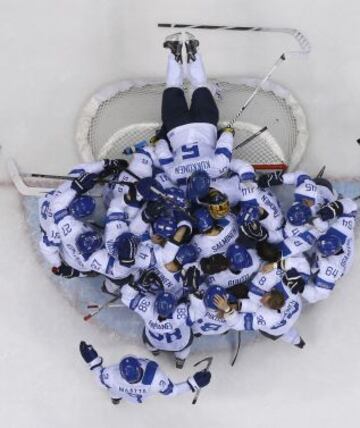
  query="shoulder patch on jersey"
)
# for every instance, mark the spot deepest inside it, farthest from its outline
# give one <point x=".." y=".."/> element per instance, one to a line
<point x="149" y="373"/>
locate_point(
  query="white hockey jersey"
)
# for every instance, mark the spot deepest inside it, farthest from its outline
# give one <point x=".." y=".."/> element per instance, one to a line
<point x="171" y="334"/>
<point x="153" y="381"/>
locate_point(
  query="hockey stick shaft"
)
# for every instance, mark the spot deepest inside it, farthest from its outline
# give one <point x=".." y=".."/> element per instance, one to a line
<point x="252" y="137"/>
<point x="65" y="177"/>
<point x="237" y="348"/>
<point x="300" y="38"/>
<point x="88" y="316"/>
<point x="110" y="305"/>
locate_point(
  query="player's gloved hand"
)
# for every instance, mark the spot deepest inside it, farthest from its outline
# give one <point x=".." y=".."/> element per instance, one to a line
<point x="214" y="264"/>
<point x="199" y="380"/>
<point x="133" y="197"/>
<point x="84" y="183"/>
<point x="89" y="355"/>
<point x="254" y="230"/>
<point x="152" y="211"/>
<point x="192" y="279"/>
<point x="271" y="179"/>
<point x="294" y="281"/>
<point x="113" y="166"/>
<point x="330" y="211"/>
<point x="65" y="271"/>
<point x="229" y="129"/>
<point x="150" y="189"/>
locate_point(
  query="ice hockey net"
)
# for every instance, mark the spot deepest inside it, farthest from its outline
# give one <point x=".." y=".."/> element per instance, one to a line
<point x="124" y="113"/>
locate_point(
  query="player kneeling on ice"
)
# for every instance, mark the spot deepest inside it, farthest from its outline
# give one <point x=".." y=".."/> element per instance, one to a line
<point x="135" y="379"/>
<point x="192" y="132"/>
<point x="167" y="325"/>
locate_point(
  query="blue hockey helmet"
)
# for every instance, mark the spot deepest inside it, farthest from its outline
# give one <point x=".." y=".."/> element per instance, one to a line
<point x="248" y="214"/>
<point x="203" y="219"/>
<point x="210" y="293"/>
<point x="176" y="196"/>
<point x="298" y="214"/>
<point x="165" y="227"/>
<point x="130" y="369"/>
<point x="82" y="206"/>
<point x="126" y="245"/>
<point x="150" y="189"/>
<point x="88" y="242"/>
<point x="238" y="257"/>
<point x="186" y="254"/>
<point x="165" y="304"/>
<point x="197" y="185"/>
<point x="329" y="244"/>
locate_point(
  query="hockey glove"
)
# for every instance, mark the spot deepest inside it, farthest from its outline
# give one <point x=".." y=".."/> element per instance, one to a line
<point x="150" y="189"/>
<point x="214" y="264"/>
<point x="294" y="281"/>
<point x="113" y="166"/>
<point x="65" y="271"/>
<point x="132" y="197"/>
<point x="272" y="179"/>
<point x="255" y="231"/>
<point x="330" y="211"/>
<point x="89" y="355"/>
<point x="84" y="183"/>
<point x="152" y="211"/>
<point x="199" y="380"/>
<point x="192" y="279"/>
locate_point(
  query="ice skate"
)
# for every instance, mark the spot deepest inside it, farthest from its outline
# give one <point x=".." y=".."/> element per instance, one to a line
<point x="191" y="45"/>
<point x="174" y="43"/>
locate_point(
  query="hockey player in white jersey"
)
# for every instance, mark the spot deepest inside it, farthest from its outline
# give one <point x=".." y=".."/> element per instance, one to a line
<point x="167" y="325"/>
<point x="80" y="207"/>
<point x="214" y="236"/>
<point x="135" y="379"/>
<point x="192" y="132"/>
<point x="238" y="266"/>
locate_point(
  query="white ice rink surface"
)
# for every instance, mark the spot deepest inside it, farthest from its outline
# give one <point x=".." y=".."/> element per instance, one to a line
<point x="54" y="54"/>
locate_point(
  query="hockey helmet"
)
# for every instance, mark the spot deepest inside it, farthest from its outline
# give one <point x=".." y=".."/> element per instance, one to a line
<point x="218" y="203"/>
<point x="130" y="369"/>
<point x="175" y="196"/>
<point x="165" y="227"/>
<point x="82" y="206"/>
<point x="238" y="257"/>
<point x="203" y="220"/>
<point x="88" y="242"/>
<point x="210" y="293"/>
<point x="165" y="304"/>
<point x="197" y="185"/>
<point x="186" y="254"/>
<point x="329" y="244"/>
<point x="298" y="214"/>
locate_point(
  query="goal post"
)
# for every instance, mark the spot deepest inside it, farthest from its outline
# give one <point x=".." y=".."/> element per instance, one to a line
<point x="126" y="112"/>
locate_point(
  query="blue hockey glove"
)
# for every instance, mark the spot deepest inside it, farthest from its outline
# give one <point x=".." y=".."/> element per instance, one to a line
<point x="89" y="355"/>
<point x="84" y="183"/>
<point x="113" y="166"/>
<point x="331" y="211"/>
<point x="199" y="380"/>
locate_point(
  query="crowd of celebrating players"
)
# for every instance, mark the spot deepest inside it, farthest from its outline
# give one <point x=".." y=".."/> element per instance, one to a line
<point x="192" y="240"/>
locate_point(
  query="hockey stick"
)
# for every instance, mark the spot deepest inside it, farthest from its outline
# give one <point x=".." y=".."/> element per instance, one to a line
<point x="110" y="305"/>
<point x="252" y="137"/>
<point x="208" y="364"/>
<point x="88" y="316"/>
<point x="66" y="177"/>
<point x="321" y="172"/>
<point x="237" y="348"/>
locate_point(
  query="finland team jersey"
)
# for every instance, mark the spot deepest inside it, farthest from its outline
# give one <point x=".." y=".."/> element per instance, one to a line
<point x="208" y="245"/>
<point x="153" y="381"/>
<point x="171" y="334"/>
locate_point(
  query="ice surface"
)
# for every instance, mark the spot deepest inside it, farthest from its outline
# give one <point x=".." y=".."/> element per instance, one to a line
<point x="54" y="55"/>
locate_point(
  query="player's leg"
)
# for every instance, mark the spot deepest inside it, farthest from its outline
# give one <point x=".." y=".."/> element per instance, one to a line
<point x="180" y="356"/>
<point x="149" y="346"/>
<point x="203" y="107"/>
<point x="174" y="109"/>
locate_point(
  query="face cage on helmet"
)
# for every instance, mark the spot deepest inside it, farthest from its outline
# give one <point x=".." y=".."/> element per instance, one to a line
<point x="220" y="210"/>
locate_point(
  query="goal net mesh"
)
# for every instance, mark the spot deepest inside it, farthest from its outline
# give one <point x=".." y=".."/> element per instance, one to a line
<point x="125" y="113"/>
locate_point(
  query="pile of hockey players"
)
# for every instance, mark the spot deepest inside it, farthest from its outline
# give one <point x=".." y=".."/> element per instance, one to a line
<point x="193" y="241"/>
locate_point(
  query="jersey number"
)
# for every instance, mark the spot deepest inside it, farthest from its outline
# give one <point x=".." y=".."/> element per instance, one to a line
<point x="190" y="152"/>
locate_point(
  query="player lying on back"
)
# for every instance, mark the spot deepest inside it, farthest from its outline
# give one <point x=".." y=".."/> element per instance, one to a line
<point x="192" y="132"/>
<point x="135" y="379"/>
